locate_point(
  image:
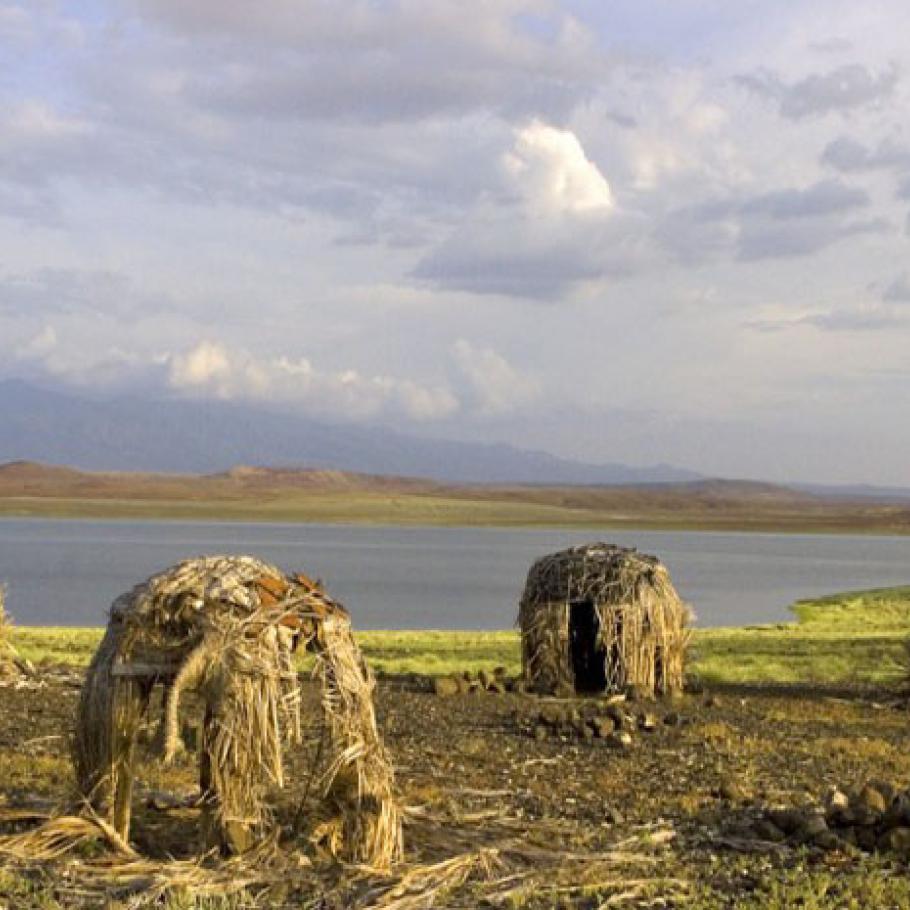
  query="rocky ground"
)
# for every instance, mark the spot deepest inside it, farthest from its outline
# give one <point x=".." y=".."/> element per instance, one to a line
<point x="698" y="792"/>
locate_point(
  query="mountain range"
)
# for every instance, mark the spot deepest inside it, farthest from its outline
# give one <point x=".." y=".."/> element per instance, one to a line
<point x="153" y="434"/>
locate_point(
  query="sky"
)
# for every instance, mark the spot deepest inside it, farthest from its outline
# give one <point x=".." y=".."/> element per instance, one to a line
<point x="643" y="231"/>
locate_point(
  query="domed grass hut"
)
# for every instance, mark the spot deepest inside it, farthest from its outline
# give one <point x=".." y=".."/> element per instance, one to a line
<point x="227" y="627"/>
<point x="600" y="618"/>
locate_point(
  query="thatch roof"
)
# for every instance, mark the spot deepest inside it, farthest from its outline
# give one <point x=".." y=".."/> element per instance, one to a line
<point x="600" y="572"/>
<point x="227" y="626"/>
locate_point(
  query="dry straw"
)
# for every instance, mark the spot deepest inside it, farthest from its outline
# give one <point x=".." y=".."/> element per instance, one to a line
<point x="12" y="665"/>
<point x="642" y="624"/>
<point x="227" y="628"/>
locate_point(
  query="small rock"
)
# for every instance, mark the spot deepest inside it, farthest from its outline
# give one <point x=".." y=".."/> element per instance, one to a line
<point x="446" y="686"/>
<point x="620" y="739"/>
<point x="870" y="799"/>
<point x="896" y="840"/>
<point x="788" y="820"/>
<point x="865" y="838"/>
<point x="552" y="715"/>
<point x="837" y="800"/>
<point x="647" y="722"/>
<point x="827" y="840"/>
<point x="603" y="726"/>
<point x="813" y="825"/>
<point x="767" y="830"/>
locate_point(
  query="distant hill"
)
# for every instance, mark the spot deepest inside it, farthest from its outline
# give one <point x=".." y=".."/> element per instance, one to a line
<point x="246" y="493"/>
<point x="145" y="434"/>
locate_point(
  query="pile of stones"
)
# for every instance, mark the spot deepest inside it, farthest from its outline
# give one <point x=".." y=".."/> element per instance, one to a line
<point x="470" y="683"/>
<point x="615" y="722"/>
<point x="875" y="816"/>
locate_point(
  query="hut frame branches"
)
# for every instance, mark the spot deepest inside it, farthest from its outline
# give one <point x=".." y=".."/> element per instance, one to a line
<point x="602" y="618"/>
<point x="227" y="627"/>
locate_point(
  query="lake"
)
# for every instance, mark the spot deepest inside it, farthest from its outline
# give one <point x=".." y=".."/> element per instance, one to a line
<point x="68" y="572"/>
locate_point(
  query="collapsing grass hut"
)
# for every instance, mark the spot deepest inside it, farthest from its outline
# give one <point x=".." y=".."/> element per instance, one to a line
<point x="600" y="618"/>
<point x="227" y="627"/>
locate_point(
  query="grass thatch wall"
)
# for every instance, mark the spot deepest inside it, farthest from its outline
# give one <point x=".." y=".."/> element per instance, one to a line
<point x="227" y="627"/>
<point x="643" y="623"/>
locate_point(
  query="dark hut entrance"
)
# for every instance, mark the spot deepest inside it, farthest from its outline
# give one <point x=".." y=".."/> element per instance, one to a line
<point x="585" y="651"/>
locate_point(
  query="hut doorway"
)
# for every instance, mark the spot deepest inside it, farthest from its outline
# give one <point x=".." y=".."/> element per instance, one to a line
<point x="586" y="652"/>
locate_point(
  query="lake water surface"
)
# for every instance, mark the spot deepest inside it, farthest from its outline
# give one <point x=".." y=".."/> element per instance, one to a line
<point x="68" y="572"/>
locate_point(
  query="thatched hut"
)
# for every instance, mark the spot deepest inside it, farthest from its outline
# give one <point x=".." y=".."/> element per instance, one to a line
<point x="227" y="627"/>
<point x="600" y="618"/>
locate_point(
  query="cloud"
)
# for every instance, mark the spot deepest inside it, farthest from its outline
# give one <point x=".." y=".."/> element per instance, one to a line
<point x="497" y="387"/>
<point x="846" y="320"/>
<point x="548" y="227"/>
<point x="552" y="174"/>
<point x="840" y="90"/>
<point x="211" y="368"/>
<point x="899" y="290"/>
<point x="826" y="197"/>
<point x="850" y="156"/>
<point x="789" y="222"/>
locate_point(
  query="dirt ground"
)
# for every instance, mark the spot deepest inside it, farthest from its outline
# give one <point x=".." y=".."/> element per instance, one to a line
<point x="680" y="803"/>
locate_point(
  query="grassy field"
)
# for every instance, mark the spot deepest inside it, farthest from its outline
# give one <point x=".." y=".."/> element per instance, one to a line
<point x="854" y="638"/>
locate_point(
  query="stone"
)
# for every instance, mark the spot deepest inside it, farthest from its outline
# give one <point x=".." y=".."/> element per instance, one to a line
<point x="837" y="800"/>
<point x="813" y="825"/>
<point x="647" y="722"/>
<point x="620" y="739"/>
<point x="767" y="830"/>
<point x="827" y="840"/>
<point x="603" y="726"/>
<point x="885" y="787"/>
<point x="871" y="800"/>
<point x="865" y="838"/>
<point x="896" y="840"/>
<point x="788" y="820"/>
<point x="446" y="686"/>
<point x="898" y="812"/>
<point x="552" y="715"/>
